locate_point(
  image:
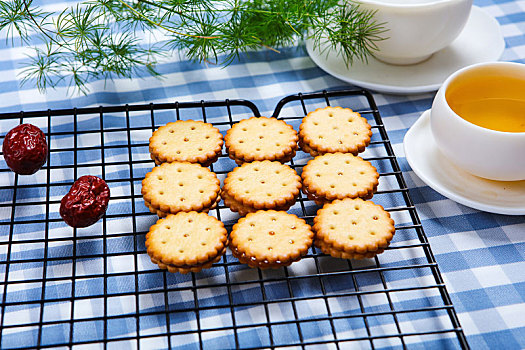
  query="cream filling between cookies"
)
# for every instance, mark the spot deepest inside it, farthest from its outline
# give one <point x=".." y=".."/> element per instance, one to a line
<point x="243" y="210"/>
<point x="163" y="214"/>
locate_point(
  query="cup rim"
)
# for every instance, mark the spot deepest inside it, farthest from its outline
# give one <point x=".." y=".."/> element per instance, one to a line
<point x="413" y="5"/>
<point x="454" y="75"/>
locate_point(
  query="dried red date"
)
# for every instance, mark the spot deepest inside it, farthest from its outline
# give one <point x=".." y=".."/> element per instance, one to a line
<point x="86" y="201"/>
<point x="25" y="149"/>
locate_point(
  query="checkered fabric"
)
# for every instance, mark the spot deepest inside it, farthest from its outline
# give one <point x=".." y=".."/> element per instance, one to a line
<point x="85" y="289"/>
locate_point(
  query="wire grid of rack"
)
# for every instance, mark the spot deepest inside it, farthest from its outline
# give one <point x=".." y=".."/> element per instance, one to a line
<point x="64" y="287"/>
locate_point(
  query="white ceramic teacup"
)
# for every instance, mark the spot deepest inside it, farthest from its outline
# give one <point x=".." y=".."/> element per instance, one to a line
<point x="487" y="153"/>
<point x="416" y="28"/>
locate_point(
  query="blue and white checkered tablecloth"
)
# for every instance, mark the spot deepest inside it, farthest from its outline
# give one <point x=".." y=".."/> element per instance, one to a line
<point x="481" y="255"/>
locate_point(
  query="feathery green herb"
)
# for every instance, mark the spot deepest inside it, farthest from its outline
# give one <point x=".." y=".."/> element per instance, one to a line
<point x="116" y="38"/>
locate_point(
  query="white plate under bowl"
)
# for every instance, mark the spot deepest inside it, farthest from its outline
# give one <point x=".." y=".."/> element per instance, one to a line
<point x="501" y="197"/>
<point x="480" y="41"/>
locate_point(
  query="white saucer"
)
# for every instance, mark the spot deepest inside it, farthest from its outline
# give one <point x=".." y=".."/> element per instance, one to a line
<point x="501" y="197"/>
<point x="480" y="41"/>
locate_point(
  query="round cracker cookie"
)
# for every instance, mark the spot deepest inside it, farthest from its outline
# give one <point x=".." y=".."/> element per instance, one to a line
<point x="175" y="187"/>
<point x="353" y="226"/>
<point x="270" y="239"/>
<point x="263" y="185"/>
<point x="334" y="129"/>
<point x="337" y="176"/>
<point x="186" y="240"/>
<point x="186" y="141"/>
<point x="257" y="139"/>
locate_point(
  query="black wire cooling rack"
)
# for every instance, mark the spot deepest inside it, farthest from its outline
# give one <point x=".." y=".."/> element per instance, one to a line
<point x="64" y="287"/>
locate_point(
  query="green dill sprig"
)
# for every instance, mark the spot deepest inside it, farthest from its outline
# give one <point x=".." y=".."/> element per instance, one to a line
<point x="98" y="39"/>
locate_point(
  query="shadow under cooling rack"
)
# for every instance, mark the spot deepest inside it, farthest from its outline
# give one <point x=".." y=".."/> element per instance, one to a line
<point x="96" y="286"/>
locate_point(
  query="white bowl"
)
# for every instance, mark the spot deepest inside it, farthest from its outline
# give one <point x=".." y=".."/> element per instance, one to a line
<point x="416" y="28"/>
<point x="483" y="152"/>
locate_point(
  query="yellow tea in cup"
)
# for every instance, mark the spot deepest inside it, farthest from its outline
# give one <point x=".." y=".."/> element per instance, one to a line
<point x="490" y="101"/>
<point x="470" y="105"/>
